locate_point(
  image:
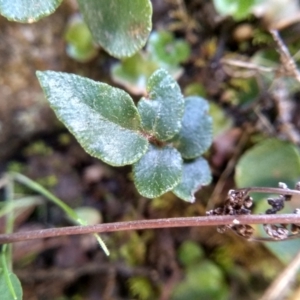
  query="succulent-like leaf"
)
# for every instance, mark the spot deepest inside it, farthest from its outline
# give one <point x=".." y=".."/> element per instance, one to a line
<point x="195" y="135"/>
<point x="162" y="110"/>
<point x="195" y="174"/>
<point x="104" y="119"/>
<point x="268" y="163"/>
<point x="120" y="27"/>
<point x="158" y="171"/>
<point x="27" y="11"/>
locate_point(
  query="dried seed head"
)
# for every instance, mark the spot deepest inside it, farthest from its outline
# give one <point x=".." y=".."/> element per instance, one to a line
<point x="276" y="203"/>
<point x="221" y="229"/>
<point x="248" y="202"/>
<point x="245" y="211"/>
<point x="236" y="203"/>
<point x="245" y="231"/>
<point x="297" y="211"/>
<point x="288" y="197"/>
<point x="295" y="228"/>
<point x="277" y="232"/>
<point x="231" y="192"/>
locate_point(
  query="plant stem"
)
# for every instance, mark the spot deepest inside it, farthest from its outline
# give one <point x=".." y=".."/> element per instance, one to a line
<point x="166" y="223"/>
<point x="68" y="210"/>
<point x="6" y="251"/>
<point x="270" y="190"/>
<point x="9" y="222"/>
<point x="151" y="224"/>
<point x="280" y="287"/>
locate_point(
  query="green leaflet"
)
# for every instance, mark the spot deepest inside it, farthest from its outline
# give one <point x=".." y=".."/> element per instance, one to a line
<point x="158" y="171"/>
<point x="195" y="174"/>
<point x="196" y="134"/>
<point x="108" y="126"/>
<point x="27" y="11"/>
<point x="104" y="119"/>
<point x="162" y="111"/>
<point x="133" y="72"/>
<point x="80" y="42"/>
<point x="162" y="51"/>
<point x="164" y="48"/>
<point x="120" y="27"/>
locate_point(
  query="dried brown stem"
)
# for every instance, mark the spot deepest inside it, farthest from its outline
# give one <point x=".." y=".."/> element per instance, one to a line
<point x="151" y="224"/>
<point x="270" y="190"/>
<point x="246" y="65"/>
<point x="282" y="284"/>
<point x="288" y="63"/>
<point x="213" y="220"/>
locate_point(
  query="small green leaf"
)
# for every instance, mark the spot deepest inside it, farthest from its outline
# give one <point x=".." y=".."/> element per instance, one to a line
<point x="133" y="72"/>
<point x="269" y="162"/>
<point x="141" y="288"/>
<point x="158" y="171"/>
<point x="221" y="122"/>
<point x="162" y="111"/>
<point x="163" y="51"/>
<point x="238" y="9"/>
<point x="120" y="27"/>
<point x="80" y="44"/>
<point x="163" y="47"/>
<point x="5" y="292"/>
<point x="195" y="174"/>
<point x="204" y="280"/>
<point x="195" y="89"/>
<point x="195" y="135"/>
<point x="27" y="11"/>
<point x="102" y="118"/>
<point x="89" y="215"/>
<point x="190" y="253"/>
